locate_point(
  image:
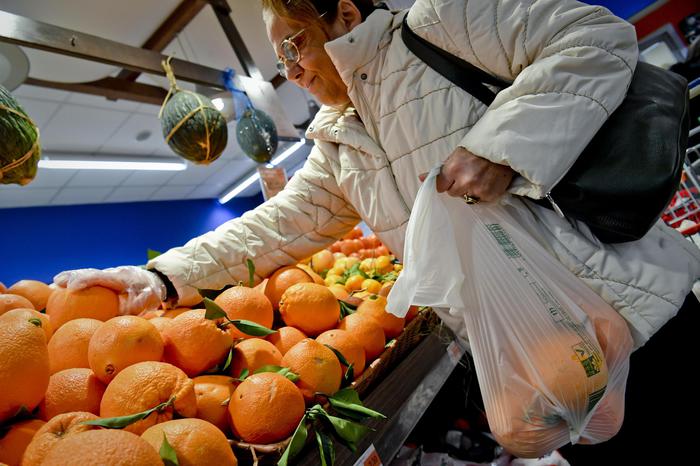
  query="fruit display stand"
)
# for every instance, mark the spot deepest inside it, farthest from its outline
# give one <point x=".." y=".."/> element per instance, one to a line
<point x="403" y="395"/>
<point x="411" y="358"/>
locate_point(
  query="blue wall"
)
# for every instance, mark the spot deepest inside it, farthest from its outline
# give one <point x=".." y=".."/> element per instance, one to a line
<point x="623" y="8"/>
<point x="39" y="242"/>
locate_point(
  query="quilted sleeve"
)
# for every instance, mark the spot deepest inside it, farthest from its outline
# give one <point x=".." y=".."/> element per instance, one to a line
<point x="570" y="64"/>
<point x="310" y="213"/>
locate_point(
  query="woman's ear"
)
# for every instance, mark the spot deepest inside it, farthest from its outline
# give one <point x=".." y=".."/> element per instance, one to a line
<point x="348" y="15"/>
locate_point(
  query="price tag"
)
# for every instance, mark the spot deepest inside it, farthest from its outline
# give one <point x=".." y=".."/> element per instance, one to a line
<point x="369" y="458"/>
<point x="455" y="352"/>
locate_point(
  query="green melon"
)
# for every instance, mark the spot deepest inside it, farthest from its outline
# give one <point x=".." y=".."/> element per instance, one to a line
<point x="201" y="135"/>
<point x="19" y="142"/>
<point x="257" y="135"/>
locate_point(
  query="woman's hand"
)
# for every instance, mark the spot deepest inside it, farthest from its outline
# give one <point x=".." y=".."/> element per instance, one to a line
<point x="138" y="289"/>
<point x="466" y="175"/>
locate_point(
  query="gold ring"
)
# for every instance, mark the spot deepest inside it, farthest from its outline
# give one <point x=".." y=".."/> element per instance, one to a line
<point x="471" y="200"/>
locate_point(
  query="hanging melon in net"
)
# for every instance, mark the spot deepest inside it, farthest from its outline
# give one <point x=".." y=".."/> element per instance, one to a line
<point x="19" y="142"/>
<point x="192" y="126"/>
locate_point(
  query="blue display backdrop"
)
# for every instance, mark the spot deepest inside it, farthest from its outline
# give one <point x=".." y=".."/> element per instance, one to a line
<point x="39" y="242"/>
<point x="623" y="8"/>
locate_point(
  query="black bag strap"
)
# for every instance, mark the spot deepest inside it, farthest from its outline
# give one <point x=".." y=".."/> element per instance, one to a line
<point x="459" y="72"/>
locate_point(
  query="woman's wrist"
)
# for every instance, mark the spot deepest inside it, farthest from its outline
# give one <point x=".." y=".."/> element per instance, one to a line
<point x="171" y="296"/>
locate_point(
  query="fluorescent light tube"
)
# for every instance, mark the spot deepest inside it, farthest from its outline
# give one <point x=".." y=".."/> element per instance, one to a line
<point x="68" y="164"/>
<point x="240" y="187"/>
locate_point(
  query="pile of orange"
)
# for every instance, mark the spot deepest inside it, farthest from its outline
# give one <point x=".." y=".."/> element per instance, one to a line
<point x="72" y="357"/>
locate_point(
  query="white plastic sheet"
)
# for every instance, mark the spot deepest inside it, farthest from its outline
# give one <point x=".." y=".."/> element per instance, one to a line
<point x="551" y="356"/>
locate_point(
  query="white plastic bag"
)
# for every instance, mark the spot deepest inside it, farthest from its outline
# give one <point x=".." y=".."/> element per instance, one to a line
<point x="550" y="355"/>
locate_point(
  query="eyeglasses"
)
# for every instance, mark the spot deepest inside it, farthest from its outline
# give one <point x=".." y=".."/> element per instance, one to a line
<point x="290" y="53"/>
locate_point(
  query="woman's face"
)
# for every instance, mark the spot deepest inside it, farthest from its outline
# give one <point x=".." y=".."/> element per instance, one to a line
<point x="315" y="70"/>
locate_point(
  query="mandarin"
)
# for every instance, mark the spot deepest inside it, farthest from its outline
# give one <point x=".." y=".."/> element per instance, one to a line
<point x="317" y="366"/>
<point x="145" y="385"/>
<point x="95" y="302"/>
<point x="54" y="431"/>
<point x="24" y="364"/>
<point x="265" y="408"/>
<point x="253" y="354"/>
<point x="72" y="390"/>
<point x="310" y="307"/>
<point x="102" y="447"/>
<point x="240" y="302"/>
<point x="194" y="343"/>
<point x="196" y="442"/>
<point x="68" y="347"/>
<point x="121" y="342"/>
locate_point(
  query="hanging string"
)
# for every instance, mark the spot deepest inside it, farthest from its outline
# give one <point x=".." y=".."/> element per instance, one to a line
<point x="171" y="79"/>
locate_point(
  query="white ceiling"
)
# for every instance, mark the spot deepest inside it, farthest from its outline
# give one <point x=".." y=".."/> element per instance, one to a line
<point x="80" y="124"/>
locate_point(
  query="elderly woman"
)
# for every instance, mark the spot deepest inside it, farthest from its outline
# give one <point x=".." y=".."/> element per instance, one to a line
<point x="388" y="118"/>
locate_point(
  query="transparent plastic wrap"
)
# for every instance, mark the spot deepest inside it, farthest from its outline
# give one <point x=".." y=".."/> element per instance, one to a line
<point x="550" y="355"/>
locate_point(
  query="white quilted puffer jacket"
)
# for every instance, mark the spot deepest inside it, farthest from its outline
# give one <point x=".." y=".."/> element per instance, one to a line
<point x="570" y="65"/>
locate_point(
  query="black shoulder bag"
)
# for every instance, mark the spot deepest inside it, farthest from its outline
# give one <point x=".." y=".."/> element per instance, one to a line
<point x="627" y="175"/>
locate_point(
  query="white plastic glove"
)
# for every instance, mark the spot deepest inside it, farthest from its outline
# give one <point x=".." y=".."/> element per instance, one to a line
<point x="138" y="289"/>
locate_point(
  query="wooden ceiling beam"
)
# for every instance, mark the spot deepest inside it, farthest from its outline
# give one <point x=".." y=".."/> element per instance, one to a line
<point x="111" y="88"/>
<point x="181" y="16"/>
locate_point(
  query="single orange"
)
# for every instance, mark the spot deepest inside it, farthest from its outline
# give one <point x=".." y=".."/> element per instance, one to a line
<point x="196" y="442"/>
<point x="213" y="393"/>
<point x="3" y="288"/>
<point x="317" y="367"/>
<point x="194" y="343"/>
<point x="310" y="307"/>
<point x="282" y="279"/>
<point x="100" y="447"/>
<point x="95" y="303"/>
<point x="72" y="390"/>
<point x="253" y="354"/>
<point x="13" y="301"/>
<point x="145" y="385"/>
<point x="339" y="290"/>
<point x="354" y="283"/>
<point x="240" y="302"/>
<point x="367" y="332"/>
<point x="285" y="338"/>
<point x="31" y="313"/>
<point x="172" y="313"/>
<point x="345" y="343"/>
<point x="35" y="291"/>
<point x="152" y="314"/>
<point x="322" y="261"/>
<point x="24" y="364"/>
<point x="57" y="429"/>
<point x="15" y="442"/>
<point x="121" y="342"/>
<point x="68" y="347"/>
<point x="160" y="323"/>
<point x="265" y="408"/>
<point x="375" y="306"/>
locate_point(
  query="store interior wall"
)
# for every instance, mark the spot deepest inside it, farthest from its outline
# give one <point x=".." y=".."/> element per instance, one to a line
<point x="39" y="242"/>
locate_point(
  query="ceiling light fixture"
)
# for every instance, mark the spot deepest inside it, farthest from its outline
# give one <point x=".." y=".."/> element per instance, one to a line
<point x="14" y="66"/>
<point x="242" y="186"/>
<point x="122" y="163"/>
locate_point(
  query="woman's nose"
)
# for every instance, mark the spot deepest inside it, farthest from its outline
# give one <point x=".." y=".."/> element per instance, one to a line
<point x="294" y="72"/>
